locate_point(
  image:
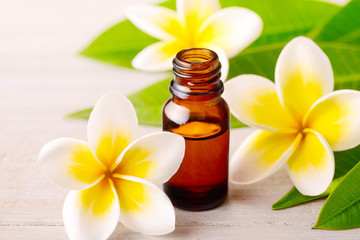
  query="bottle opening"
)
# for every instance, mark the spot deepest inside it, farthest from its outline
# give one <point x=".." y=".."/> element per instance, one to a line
<point x="196" y="62"/>
<point x="197" y="56"/>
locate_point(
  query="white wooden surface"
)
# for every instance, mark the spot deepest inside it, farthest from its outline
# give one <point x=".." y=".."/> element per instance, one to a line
<point x="42" y="79"/>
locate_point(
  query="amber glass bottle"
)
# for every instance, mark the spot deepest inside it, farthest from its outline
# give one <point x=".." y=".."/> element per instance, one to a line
<point x="198" y="113"/>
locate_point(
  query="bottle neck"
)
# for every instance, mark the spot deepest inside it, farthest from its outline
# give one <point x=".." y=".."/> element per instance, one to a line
<point x="197" y="75"/>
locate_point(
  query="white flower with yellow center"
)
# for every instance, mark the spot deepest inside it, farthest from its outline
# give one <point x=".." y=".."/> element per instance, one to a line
<point x="300" y="120"/>
<point x="112" y="177"/>
<point x="197" y="23"/>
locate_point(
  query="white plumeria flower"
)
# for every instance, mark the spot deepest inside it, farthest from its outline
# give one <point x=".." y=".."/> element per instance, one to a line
<point x="197" y="23"/>
<point x="112" y="178"/>
<point x="300" y="120"/>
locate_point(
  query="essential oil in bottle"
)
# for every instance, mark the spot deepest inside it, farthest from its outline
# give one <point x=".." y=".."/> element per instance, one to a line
<point x="198" y="113"/>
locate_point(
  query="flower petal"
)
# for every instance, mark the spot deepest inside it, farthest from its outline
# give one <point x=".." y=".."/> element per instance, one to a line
<point x="70" y="163"/>
<point x="253" y="100"/>
<point x="224" y="63"/>
<point x="336" y="116"/>
<point x="232" y="29"/>
<point x="155" y="157"/>
<point x="192" y="13"/>
<point x="260" y="155"/>
<point x="303" y="74"/>
<point x="312" y="166"/>
<point x="91" y="214"/>
<point x="159" y="22"/>
<point x="144" y="207"/>
<point x="111" y="128"/>
<point x="157" y="57"/>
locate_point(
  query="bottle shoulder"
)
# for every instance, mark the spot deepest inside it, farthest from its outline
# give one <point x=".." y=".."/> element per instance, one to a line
<point x="192" y="107"/>
<point x="194" y="104"/>
<point x="181" y="112"/>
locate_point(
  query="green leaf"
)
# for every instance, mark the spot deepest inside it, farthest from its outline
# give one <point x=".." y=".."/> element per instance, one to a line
<point x="294" y="197"/>
<point x="344" y="162"/>
<point x="149" y="102"/>
<point x="342" y="209"/>
<point x="82" y="114"/>
<point x="343" y="27"/>
<point x="234" y="123"/>
<point x="283" y="19"/>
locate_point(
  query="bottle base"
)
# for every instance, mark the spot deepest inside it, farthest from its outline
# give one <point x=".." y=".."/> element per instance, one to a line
<point x="197" y="198"/>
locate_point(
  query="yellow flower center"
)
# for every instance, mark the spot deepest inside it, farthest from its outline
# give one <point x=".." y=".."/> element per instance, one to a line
<point x="303" y="129"/>
<point x="108" y="173"/>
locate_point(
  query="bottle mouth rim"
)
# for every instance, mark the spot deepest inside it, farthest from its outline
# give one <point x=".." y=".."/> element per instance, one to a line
<point x="197" y="58"/>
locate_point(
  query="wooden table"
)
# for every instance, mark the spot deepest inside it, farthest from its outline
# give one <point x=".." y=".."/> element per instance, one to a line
<point x="42" y="79"/>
